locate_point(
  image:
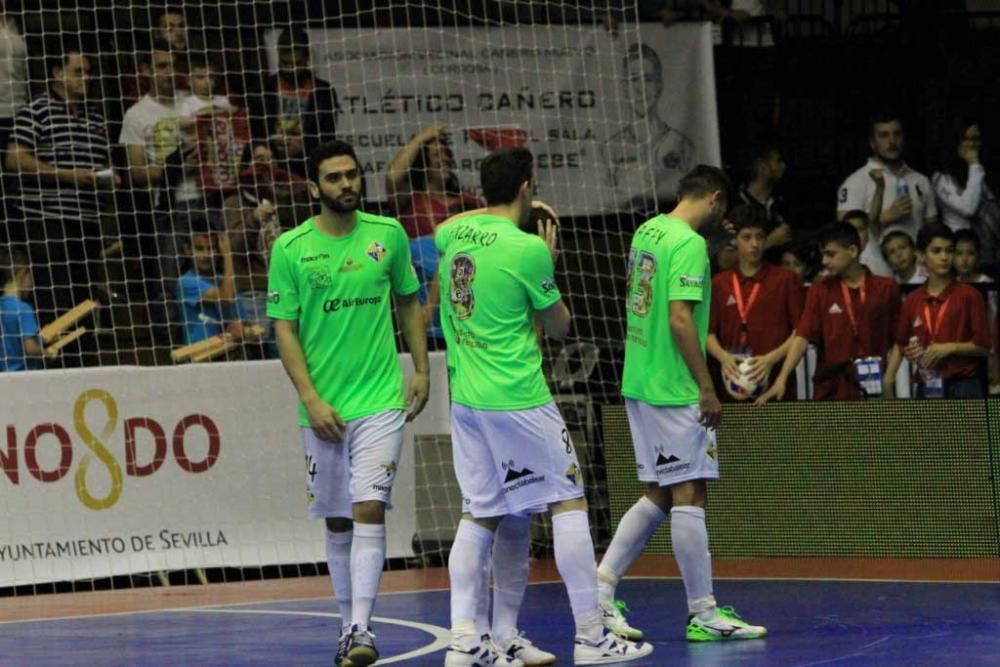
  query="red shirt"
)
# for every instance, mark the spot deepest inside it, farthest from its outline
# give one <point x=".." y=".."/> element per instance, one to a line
<point x="963" y="321"/>
<point x="770" y="317"/>
<point x="421" y="213"/>
<point x="826" y="322"/>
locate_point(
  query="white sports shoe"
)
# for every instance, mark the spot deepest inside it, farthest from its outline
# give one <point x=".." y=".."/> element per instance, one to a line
<point x="518" y="647"/>
<point x="610" y="650"/>
<point x="725" y="626"/>
<point x="613" y="617"/>
<point x="482" y="654"/>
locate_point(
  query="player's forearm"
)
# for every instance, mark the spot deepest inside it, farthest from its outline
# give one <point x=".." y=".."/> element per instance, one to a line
<point x="892" y="366"/>
<point x="797" y="346"/>
<point x="779" y="353"/>
<point x="875" y="215"/>
<point x="294" y="360"/>
<point x="969" y="349"/>
<point x="411" y="321"/>
<point x="33" y="348"/>
<point x="686" y="339"/>
<point x="227" y="287"/>
<point x="715" y="348"/>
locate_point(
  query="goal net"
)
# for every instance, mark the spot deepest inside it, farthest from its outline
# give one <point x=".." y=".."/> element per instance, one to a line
<point x="156" y="154"/>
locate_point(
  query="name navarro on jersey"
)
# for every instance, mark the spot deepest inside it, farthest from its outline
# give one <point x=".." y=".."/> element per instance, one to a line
<point x="477" y="236"/>
<point x="333" y="305"/>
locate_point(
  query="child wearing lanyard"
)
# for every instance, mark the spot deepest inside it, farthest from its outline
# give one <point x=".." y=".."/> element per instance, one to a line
<point x="755" y="306"/>
<point x="942" y="328"/>
<point x="850" y="316"/>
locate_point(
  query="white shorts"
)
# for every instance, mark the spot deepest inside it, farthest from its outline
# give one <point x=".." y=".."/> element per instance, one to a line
<point x="512" y="462"/>
<point x="670" y="445"/>
<point x="361" y="467"/>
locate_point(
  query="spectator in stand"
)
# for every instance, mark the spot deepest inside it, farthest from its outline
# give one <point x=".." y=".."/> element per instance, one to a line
<point x="13" y="94"/>
<point x="801" y="259"/>
<point x="296" y="110"/>
<point x="850" y="316"/>
<point x="755" y="306"/>
<point x="966" y="262"/>
<point x="61" y="152"/>
<point x="900" y="253"/>
<point x="942" y="326"/>
<point x="966" y="200"/>
<point x="168" y="27"/>
<point x="861" y="222"/>
<point x="20" y="345"/>
<point x="424" y="191"/>
<point x="161" y="157"/>
<point x="208" y="304"/>
<point x="895" y="196"/>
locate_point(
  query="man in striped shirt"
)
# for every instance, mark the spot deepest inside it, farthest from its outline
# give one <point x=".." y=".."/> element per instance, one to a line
<point x="60" y="150"/>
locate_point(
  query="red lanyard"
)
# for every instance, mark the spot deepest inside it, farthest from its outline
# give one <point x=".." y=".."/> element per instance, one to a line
<point x="744" y="310"/>
<point x="849" y="302"/>
<point x="932" y="330"/>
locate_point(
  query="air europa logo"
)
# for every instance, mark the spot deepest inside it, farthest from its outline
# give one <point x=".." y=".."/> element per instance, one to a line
<point x="53" y="434"/>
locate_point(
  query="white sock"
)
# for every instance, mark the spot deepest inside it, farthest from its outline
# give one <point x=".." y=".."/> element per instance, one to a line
<point x="631" y="536"/>
<point x="338" y="559"/>
<point x="469" y="553"/>
<point x="367" y="559"/>
<point x="483" y="598"/>
<point x="575" y="561"/>
<point x="690" y="541"/>
<point x="510" y="572"/>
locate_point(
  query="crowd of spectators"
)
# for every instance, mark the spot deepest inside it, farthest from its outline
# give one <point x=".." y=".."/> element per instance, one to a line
<point x="178" y="211"/>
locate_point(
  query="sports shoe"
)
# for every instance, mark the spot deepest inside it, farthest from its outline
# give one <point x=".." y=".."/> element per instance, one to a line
<point x="613" y="617"/>
<point x="344" y="643"/>
<point x="361" y="651"/>
<point x="611" y="649"/>
<point x="482" y="654"/>
<point x="726" y="625"/>
<point x="518" y="647"/>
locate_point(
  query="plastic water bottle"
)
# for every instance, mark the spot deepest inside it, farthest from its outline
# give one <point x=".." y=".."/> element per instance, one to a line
<point x="902" y="187"/>
<point x="929" y="378"/>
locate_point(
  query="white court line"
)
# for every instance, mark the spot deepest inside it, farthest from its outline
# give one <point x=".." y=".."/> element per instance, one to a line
<point x="441" y="635"/>
<point x="438" y="590"/>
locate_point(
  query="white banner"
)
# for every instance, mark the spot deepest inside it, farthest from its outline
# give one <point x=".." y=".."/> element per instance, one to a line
<point x="605" y="114"/>
<point x="111" y="471"/>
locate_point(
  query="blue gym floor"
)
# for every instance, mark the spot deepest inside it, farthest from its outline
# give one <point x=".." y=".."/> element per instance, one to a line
<point x="810" y="622"/>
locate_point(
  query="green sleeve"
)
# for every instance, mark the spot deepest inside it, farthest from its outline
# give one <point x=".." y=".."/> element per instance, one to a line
<point x="687" y="269"/>
<point x="282" y="288"/>
<point x="537" y="274"/>
<point x="403" y="276"/>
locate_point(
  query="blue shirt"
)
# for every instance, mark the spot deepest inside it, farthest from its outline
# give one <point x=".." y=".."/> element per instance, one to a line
<point x="200" y="319"/>
<point x="17" y="322"/>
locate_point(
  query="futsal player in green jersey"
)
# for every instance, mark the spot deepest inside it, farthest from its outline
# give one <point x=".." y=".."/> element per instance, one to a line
<point x="512" y="452"/>
<point x="329" y="288"/>
<point x="671" y="403"/>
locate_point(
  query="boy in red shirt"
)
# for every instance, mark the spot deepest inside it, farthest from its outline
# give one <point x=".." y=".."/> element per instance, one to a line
<point x="942" y="326"/>
<point x="850" y="316"/>
<point x="755" y="306"/>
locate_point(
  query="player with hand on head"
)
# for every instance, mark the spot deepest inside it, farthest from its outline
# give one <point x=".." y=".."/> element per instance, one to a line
<point x="329" y="287"/>
<point x="672" y="406"/>
<point x="512" y="451"/>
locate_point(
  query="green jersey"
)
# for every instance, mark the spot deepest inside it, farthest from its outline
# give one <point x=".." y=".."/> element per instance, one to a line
<point x="493" y="278"/>
<point x="339" y="291"/>
<point x="668" y="262"/>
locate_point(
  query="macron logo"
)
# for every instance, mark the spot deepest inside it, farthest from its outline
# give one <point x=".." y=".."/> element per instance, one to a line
<point x="835" y="310"/>
<point x="919" y="322"/>
<point x="731" y="301"/>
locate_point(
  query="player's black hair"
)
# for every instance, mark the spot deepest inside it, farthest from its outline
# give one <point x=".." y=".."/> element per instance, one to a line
<point x="880" y="116"/>
<point x="503" y="172"/>
<point x="58" y="51"/>
<point x="857" y="214"/>
<point x="704" y="180"/>
<point x="293" y="38"/>
<point x="841" y="233"/>
<point x="145" y="56"/>
<point x="755" y="154"/>
<point x="935" y="230"/>
<point x="892" y="236"/>
<point x="747" y="216"/>
<point x="969" y="236"/>
<point x="324" y="152"/>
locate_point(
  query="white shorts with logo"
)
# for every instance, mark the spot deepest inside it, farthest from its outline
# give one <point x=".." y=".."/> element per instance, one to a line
<point x="359" y="468"/>
<point x="512" y="462"/>
<point x="670" y="445"/>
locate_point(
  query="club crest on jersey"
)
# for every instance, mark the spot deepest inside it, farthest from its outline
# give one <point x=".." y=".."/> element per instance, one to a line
<point x="376" y="251"/>
<point x="390" y="468"/>
<point x="573" y="474"/>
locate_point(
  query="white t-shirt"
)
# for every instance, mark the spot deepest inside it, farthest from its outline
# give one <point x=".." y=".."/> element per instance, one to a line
<point x="157" y="126"/>
<point x="191" y="105"/>
<point x="13" y="60"/>
<point x="858" y="190"/>
<point x="959" y="208"/>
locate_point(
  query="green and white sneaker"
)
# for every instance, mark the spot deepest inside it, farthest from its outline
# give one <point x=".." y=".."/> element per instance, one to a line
<point x="726" y="625"/>
<point x="613" y="617"/>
